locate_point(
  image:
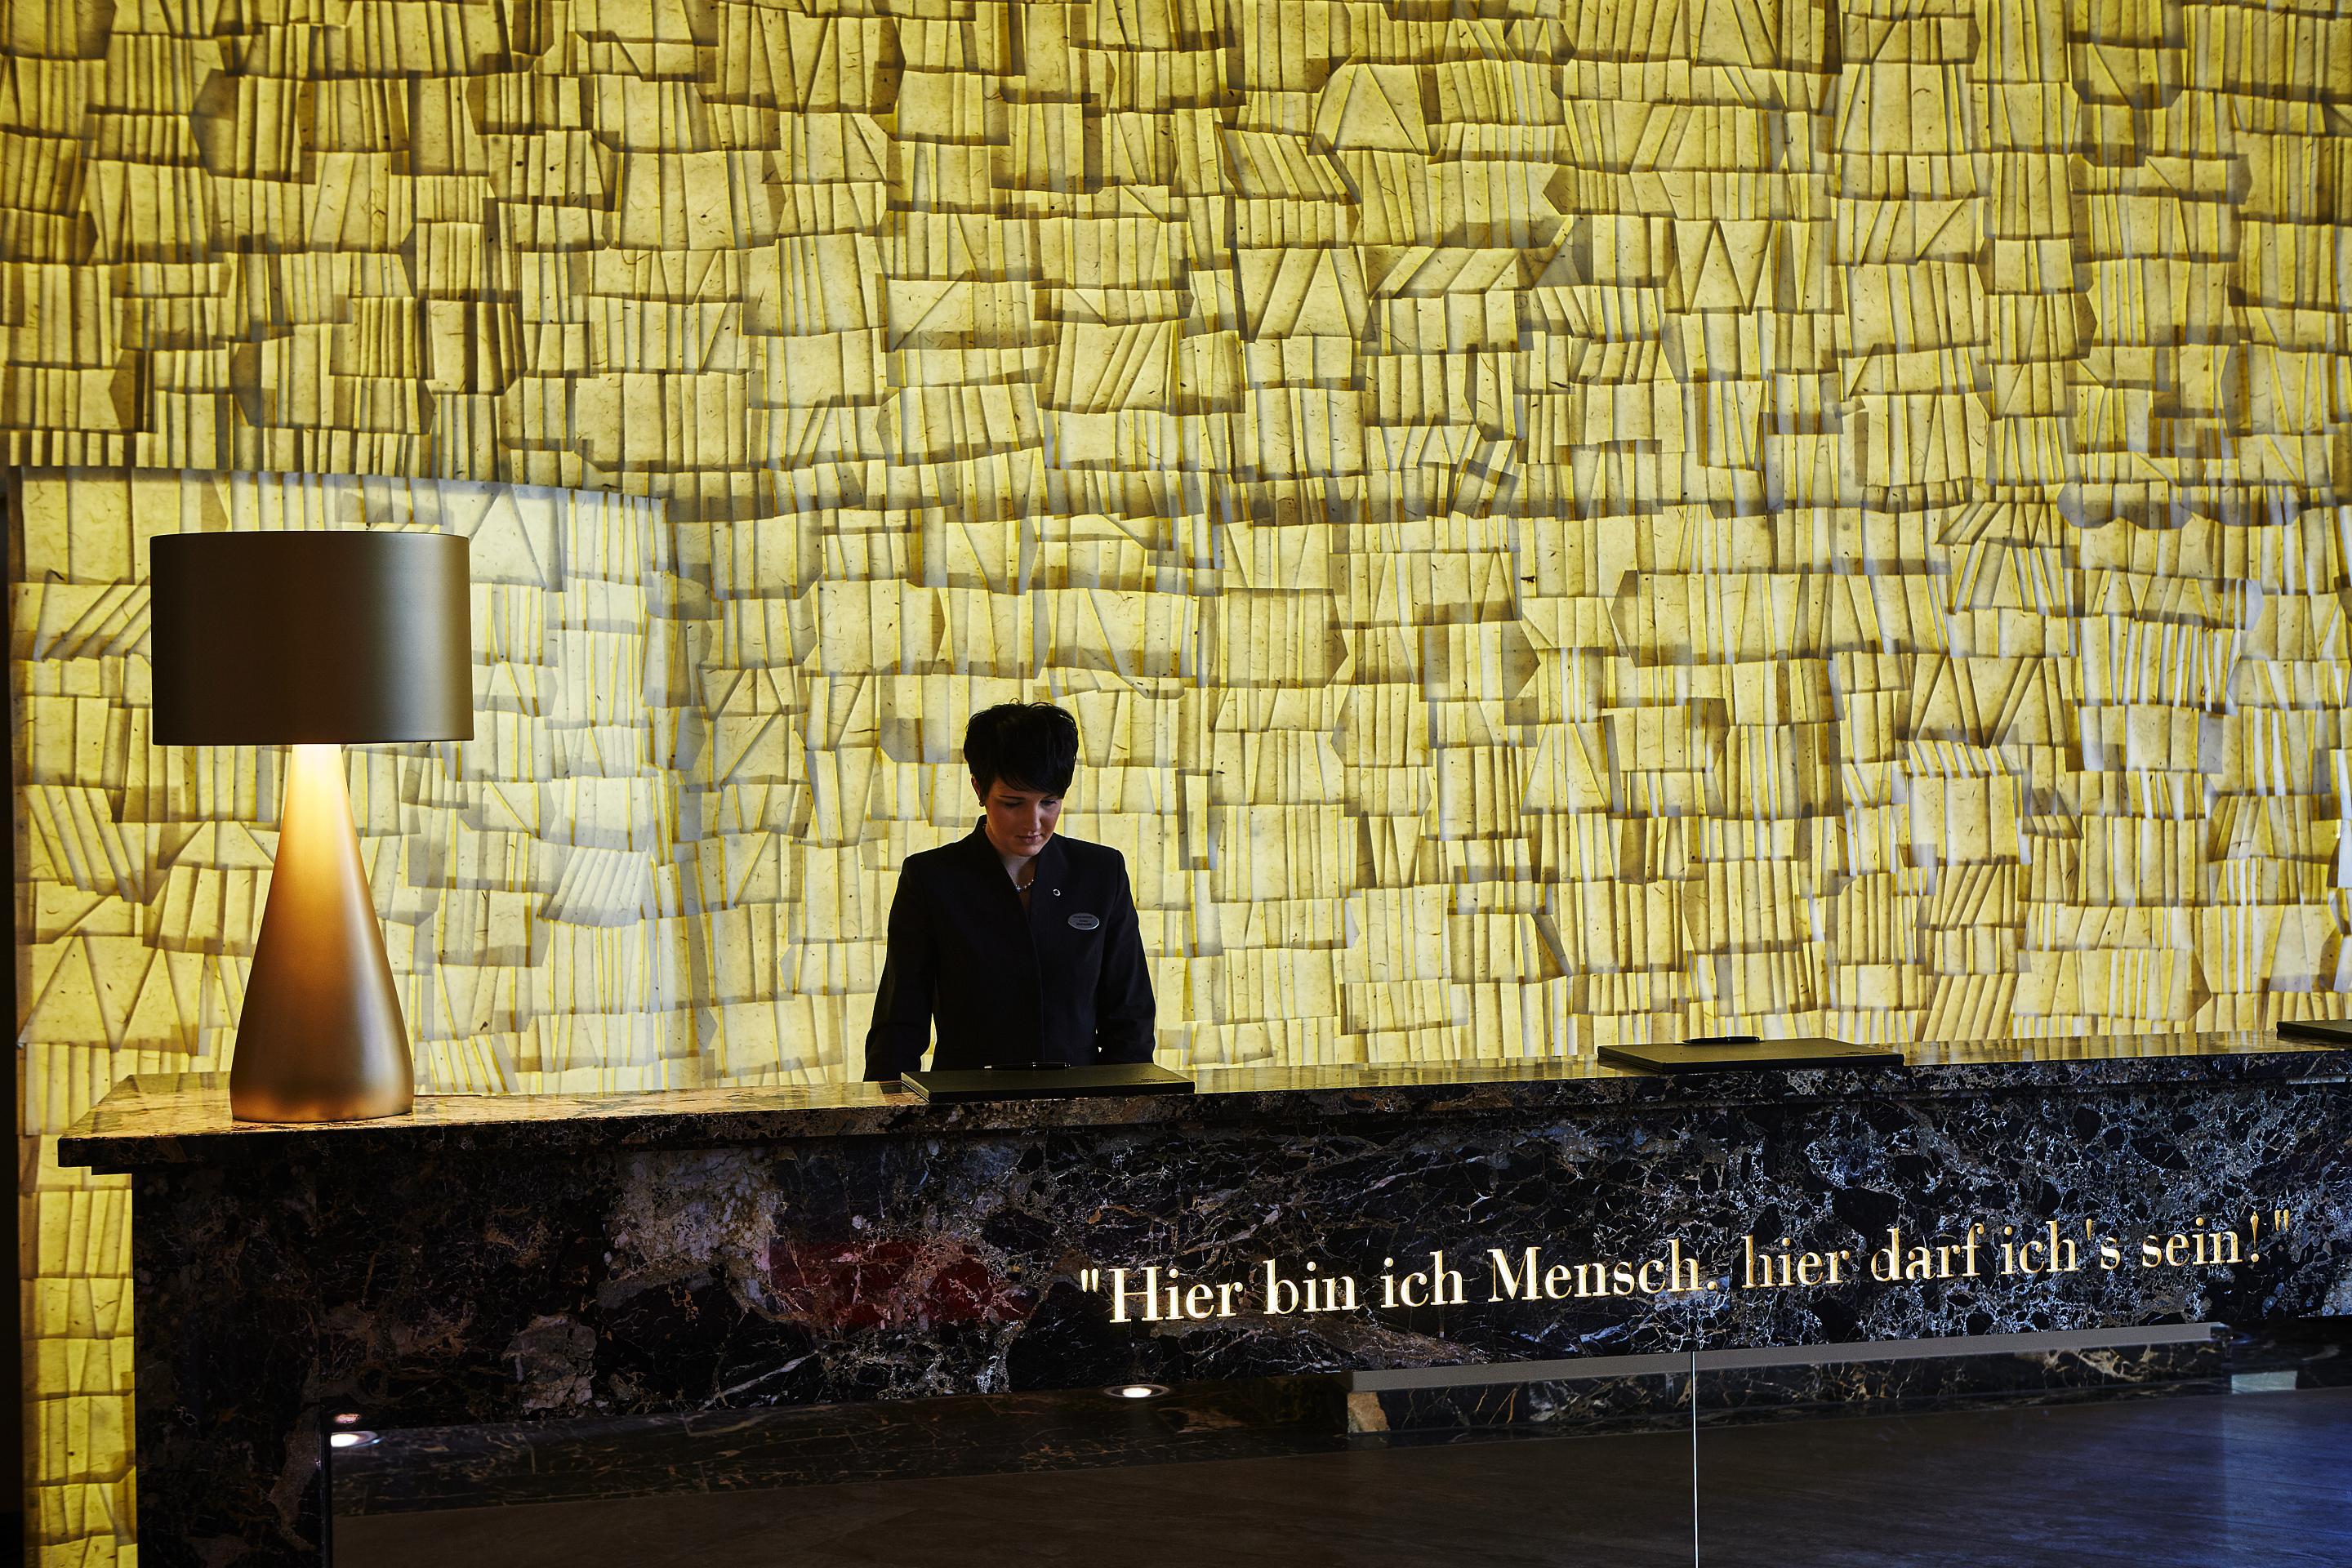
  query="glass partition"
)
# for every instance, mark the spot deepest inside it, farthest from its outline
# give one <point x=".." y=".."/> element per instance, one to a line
<point x="2183" y="1448"/>
<point x="1495" y="1465"/>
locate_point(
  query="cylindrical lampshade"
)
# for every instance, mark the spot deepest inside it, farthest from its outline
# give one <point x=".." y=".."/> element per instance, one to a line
<point x="351" y="636"/>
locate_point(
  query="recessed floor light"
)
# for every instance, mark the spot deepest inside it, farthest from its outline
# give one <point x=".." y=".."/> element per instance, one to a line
<point x="1136" y="1390"/>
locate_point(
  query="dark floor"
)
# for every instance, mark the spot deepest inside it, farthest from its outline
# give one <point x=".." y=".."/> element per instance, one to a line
<point x="2192" y="1482"/>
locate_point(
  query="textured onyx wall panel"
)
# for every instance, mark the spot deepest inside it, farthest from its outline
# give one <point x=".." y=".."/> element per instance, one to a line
<point x="1560" y="521"/>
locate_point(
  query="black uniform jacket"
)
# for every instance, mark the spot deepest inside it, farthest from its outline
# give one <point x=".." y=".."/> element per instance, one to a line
<point x="1063" y="980"/>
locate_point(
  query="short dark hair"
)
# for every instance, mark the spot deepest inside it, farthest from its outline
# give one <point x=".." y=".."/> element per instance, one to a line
<point x="1029" y="745"/>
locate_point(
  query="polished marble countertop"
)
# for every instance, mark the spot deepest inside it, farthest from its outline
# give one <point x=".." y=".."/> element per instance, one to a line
<point x="184" y="1119"/>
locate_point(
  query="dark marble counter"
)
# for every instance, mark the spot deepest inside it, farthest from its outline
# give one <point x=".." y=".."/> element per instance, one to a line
<point x="184" y="1119"/>
<point x="529" y="1258"/>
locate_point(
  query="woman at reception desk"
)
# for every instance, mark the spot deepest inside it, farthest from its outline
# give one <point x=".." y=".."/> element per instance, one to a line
<point x="1020" y="944"/>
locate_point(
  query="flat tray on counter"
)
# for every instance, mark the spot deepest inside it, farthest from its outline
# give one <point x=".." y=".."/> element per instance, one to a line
<point x="1737" y="1054"/>
<point x="1045" y="1083"/>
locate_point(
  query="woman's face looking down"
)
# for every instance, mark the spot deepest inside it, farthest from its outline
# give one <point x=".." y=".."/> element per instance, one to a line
<point x="1019" y="820"/>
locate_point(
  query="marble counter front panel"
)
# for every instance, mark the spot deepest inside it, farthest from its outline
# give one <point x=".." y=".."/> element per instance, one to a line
<point x="489" y="1263"/>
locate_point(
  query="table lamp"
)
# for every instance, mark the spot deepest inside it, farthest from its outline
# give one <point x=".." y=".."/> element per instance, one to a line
<point x="316" y="641"/>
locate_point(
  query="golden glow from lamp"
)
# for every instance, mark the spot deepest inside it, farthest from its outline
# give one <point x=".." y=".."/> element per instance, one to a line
<point x="315" y="641"/>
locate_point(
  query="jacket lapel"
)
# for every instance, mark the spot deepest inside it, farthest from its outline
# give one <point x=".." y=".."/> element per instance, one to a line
<point x="1053" y="869"/>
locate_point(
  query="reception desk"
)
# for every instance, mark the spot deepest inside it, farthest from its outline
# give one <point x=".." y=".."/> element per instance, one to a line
<point x="495" y="1259"/>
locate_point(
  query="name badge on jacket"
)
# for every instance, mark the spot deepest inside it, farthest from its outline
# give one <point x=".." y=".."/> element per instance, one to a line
<point x="1083" y="922"/>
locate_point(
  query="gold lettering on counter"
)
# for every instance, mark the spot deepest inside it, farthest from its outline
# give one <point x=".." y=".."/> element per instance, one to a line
<point x="1980" y="1250"/>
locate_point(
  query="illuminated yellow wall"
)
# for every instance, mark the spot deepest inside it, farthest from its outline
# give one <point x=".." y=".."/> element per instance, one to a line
<point x="1559" y="520"/>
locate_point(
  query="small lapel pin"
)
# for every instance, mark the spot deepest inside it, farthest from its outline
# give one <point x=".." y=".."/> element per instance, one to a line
<point x="1083" y="922"/>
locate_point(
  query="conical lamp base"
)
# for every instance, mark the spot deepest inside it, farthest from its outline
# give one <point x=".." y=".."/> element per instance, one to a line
<point x="321" y="1038"/>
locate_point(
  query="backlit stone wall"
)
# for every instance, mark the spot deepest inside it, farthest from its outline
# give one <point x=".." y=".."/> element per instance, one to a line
<point x="1560" y="521"/>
